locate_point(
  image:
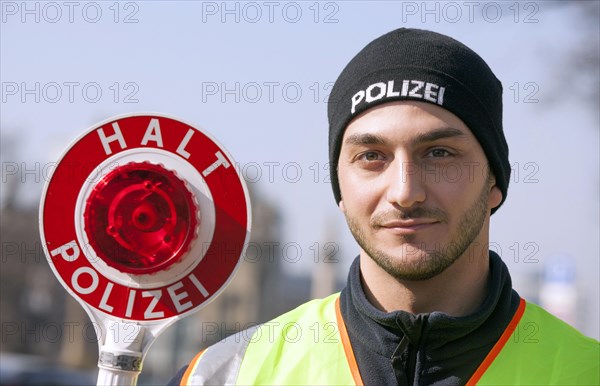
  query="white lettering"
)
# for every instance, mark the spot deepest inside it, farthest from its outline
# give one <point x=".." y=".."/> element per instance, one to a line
<point x="64" y="251"/>
<point x="370" y="97"/>
<point x="103" y="302"/>
<point x="153" y="133"/>
<point x="129" y="309"/>
<point x="181" y="149"/>
<point x="356" y="99"/>
<point x="390" y="90"/>
<point x="410" y="88"/>
<point x="75" y="280"/>
<point x="430" y="95"/>
<point x="220" y="161"/>
<point x="178" y="297"/>
<point x="150" y="313"/>
<point x="404" y="91"/>
<point x="418" y="85"/>
<point x="440" y="100"/>
<point x="117" y="136"/>
<point x="198" y="285"/>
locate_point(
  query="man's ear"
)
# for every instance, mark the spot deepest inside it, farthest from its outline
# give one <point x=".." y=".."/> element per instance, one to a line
<point x="495" y="195"/>
<point x="342" y="206"/>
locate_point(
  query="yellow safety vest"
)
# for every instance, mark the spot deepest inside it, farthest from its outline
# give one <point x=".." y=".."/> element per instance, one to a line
<point x="310" y="346"/>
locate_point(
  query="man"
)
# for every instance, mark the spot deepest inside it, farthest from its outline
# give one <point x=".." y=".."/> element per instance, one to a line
<point x="419" y="164"/>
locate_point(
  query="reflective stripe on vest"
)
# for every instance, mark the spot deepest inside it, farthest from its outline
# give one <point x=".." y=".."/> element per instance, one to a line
<point x="306" y="346"/>
<point x="220" y="364"/>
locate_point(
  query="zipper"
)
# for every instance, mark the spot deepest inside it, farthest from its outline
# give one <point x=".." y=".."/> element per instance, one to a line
<point x="404" y="359"/>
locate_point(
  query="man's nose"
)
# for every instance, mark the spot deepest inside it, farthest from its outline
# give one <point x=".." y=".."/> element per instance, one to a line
<point x="405" y="185"/>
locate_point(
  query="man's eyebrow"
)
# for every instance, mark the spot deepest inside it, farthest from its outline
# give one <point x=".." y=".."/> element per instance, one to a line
<point x="372" y="139"/>
<point x="364" y="139"/>
<point x="446" y="132"/>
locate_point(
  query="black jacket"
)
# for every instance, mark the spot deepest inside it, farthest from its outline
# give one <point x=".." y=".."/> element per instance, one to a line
<point x="425" y="349"/>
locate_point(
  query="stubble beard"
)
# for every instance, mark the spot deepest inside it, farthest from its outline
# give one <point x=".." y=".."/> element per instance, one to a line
<point x="434" y="259"/>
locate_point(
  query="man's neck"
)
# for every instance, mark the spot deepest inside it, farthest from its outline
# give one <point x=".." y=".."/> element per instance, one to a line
<point x="458" y="291"/>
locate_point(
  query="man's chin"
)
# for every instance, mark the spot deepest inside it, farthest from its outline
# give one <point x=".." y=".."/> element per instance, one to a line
<point x="415" y="271"/>
<point x="410" y="262"/>
<point x="413" y="250"/>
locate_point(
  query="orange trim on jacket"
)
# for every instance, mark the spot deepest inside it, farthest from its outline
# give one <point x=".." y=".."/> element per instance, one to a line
<point x="191" y="368"/>
<point x="347" y="346"/>
<point x="491" y="356"/>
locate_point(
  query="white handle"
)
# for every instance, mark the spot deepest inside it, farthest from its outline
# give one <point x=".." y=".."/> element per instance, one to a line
<point x="110" y="377"/>
<point x="121" y="357"/>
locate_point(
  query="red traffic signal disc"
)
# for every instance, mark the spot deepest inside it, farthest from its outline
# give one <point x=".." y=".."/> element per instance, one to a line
<point x="140" y="218"/>
<point x="145" y="218"/>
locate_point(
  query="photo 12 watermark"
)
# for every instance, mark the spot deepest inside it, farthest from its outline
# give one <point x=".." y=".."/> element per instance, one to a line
<point x="70" y="92"/>
<point x="517" y="252"/>
<point x="524" y="92"/>
<point x="428" y="12"/>
<point x="29" y="332"/>
<point x="265" y="92"/>
<point x="72" y="12"/>
<point x="270" y="12"/>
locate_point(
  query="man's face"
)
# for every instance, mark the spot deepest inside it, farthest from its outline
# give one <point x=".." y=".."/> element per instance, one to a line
<point x="415" y="188"/>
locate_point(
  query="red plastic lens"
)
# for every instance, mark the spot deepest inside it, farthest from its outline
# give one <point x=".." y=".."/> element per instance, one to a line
<point x="140" y="218"/>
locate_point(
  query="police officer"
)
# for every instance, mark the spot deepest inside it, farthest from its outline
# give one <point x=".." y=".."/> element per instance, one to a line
<point x="419" y="163"/>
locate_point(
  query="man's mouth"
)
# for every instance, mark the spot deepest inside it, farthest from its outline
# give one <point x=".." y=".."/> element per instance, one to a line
<point x="409" y="225"/>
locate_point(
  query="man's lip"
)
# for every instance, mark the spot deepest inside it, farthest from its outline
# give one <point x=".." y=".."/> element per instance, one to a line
<point x="412" y="223"/>
<point x="403" y="226"/>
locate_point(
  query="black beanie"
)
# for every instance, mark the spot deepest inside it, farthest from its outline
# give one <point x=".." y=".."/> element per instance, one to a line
<point x="419" y="65"/>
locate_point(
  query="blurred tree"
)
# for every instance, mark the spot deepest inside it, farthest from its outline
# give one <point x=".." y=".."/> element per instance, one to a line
<point x="582" y="60"/>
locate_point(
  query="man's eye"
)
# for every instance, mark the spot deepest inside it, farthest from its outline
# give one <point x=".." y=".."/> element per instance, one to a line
<point x="370" y="156"/>
<point x="439" y="153"/>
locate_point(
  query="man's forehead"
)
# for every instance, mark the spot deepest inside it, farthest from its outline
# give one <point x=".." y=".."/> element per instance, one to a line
<point x="417" y="121"/>
<point x="417" y="139"/>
